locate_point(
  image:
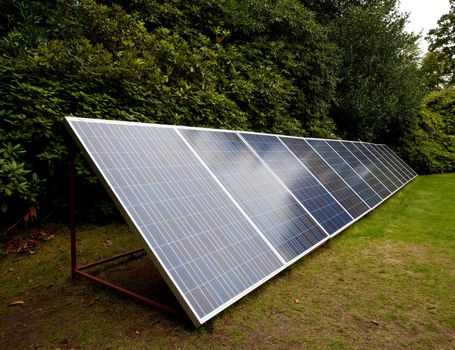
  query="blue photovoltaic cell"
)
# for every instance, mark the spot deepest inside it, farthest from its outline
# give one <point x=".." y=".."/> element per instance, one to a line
<point x="204" y="243"/>
<point x="387" y="163"/>
<point x="359" y="168"/>
<point x="404" y="175"/>
<point x="265" y="200"/>
<point x="414" y="174"/>
<point x="382" y="167"/>
<point x="316" y="199"/>
<point x="327" y="176"/>
<point x="364" y="158"/>
<point x="405" y="168"/>
<point x="343" y="169"/>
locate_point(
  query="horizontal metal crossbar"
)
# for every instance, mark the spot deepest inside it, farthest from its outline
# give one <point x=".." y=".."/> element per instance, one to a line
<point x="77" y="271"/>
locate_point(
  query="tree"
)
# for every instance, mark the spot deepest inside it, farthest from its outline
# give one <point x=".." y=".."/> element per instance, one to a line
<point x="431" y="143"/>
<point x="380" y="86"/>
<point x="290" y="56"/>
<point x="442" y="47"/>
<point x="432" y="69"/>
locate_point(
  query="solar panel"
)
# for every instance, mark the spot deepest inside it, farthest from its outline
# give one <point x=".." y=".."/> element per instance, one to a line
<point x="379" y="164"/>
<point x="406" y="169"/>
<point x="354" y="205"/>
<point x="359" y="168"/>
<point x="221" y="212"/>
<point x="279" y="216"/>
<point x="305" y="187"/>
<point x="397" y="166"/>
<point x="209" y="253"/>
<point x="387" y="163"/>
<point x="370" y="164"/>
<point x="346" y="172"/>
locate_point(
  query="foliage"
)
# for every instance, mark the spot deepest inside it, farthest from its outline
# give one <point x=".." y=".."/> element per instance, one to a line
<point x="318" y="68"/>
<point x="267" y="67"/>
<point x="431" y="145"/>
<point x="18" y="185"/>
<point x="432" y="71"/>
<point x="442" y="47"/>
<point x="380" y="85"/>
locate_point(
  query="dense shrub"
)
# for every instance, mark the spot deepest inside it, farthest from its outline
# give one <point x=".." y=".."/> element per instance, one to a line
<point x="317" y="68"/>
<point x="18" y="186"/>
<point x="431" y="145"/>
<point x="380" y="86"/>
<point x="265" y="66"/>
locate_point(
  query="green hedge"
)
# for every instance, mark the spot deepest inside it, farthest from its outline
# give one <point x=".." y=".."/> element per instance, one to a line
<point x="431" y="146"/>
<point x="269" y="67"/>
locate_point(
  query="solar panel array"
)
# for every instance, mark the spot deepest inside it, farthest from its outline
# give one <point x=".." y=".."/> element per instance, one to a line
<point x="221" y="212"/>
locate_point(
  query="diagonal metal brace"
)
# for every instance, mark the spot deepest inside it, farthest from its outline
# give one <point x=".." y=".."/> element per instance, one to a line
<point x="79" y="271"/>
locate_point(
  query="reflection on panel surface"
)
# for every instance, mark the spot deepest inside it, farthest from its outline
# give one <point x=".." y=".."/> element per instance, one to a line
<point x="205" y="244"/>
<point x="359" y="168"/>
<point x="402" y="171"/>
<point x="299" y="181"/>
<point x="327" y="176"/>
<point x="343" y="169"/>
<point x="266" y="201"/>
<point x="393" y="172"/>
<point x="370" y="164"/>
<point x="379" y="164"/>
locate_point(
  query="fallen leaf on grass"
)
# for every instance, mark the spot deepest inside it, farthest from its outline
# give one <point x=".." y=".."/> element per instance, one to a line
<point x="20" y="245"/>
<point x="16" y="302"/>
<point x="297" y="300"/>
<point x="431" y="309"/>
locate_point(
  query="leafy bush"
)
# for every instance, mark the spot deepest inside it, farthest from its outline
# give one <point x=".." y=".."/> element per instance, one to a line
<point x="380" y="85"/>
<point x="431" y="145"/>
<point x="257" y="65"/>
<point x="265" y="66"/>
<point x="18" y="186"/>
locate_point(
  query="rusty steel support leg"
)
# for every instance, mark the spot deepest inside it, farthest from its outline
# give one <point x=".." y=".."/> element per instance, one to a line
<point x="131" y="295"/>
<point x="72" y="206"/>
<point x="112" y="258"/>
<point x="122" y="291"/>
<point x="77" y="271"/>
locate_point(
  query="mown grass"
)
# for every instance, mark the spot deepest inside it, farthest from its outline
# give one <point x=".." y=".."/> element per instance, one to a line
<point x="386" y="282"/>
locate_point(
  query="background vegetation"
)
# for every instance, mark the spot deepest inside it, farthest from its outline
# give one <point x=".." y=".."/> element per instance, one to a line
<point x="334" y="68"/>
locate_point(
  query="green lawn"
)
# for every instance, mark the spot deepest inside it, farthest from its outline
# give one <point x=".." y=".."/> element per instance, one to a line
<point x="386" y="282"/>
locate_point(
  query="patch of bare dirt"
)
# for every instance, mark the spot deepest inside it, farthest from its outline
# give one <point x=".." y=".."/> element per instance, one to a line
<point x="24" y="325"/>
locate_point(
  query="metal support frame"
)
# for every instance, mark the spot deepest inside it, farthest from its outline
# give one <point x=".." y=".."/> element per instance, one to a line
<point x="78" y="271"/>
